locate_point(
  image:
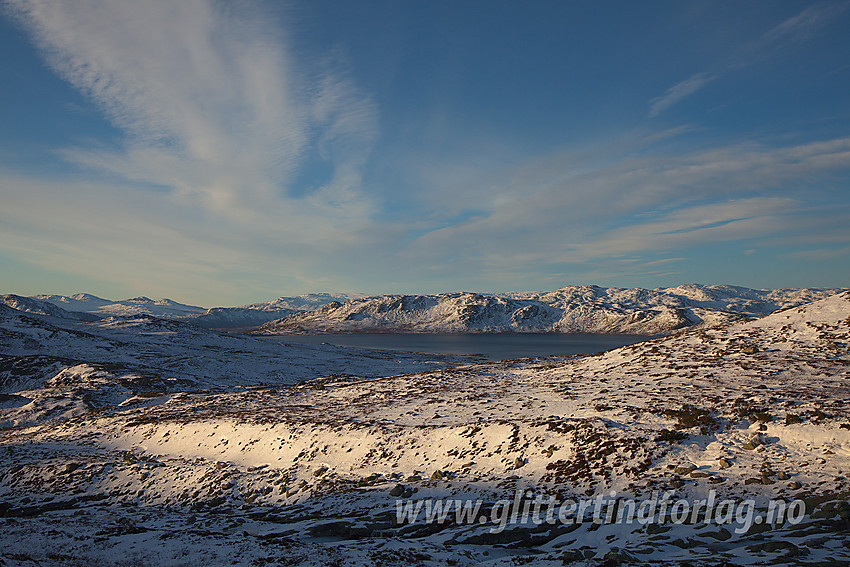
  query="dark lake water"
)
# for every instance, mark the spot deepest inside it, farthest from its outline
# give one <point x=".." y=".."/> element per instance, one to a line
<point x="492" y="346"/>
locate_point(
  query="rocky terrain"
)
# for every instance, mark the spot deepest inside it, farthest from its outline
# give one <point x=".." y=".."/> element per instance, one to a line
<point x="573" y="309"/>
<point x="315" y="473"/>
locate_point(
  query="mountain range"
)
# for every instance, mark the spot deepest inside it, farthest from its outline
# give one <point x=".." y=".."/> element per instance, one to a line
<point x="216" y="317"/>
<point x="571" y="309"/>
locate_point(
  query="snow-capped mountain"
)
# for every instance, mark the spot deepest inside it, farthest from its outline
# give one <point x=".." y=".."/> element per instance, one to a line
<point x="305" y="302"/>
<point x="42" y="307"/>
<point x="573" y="309"/>
<point x="237" y="317"/>
<point x="87" y="303"/>
<point x="216" y="317"/>
<point x="256" y="314"/>
<point x="314" y="474"/>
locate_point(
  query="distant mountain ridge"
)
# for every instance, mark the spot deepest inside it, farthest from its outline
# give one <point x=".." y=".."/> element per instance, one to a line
<point x="571" y="309"/>
<point x="257" y="314"/>
<point x="41" y="307"/>
<point x="216" y="317"/>
<point x="88" y="303"/>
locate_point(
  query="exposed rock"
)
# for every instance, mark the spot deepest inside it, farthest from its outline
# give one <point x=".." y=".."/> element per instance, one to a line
<point x="71" y="467"/>
<point x="685" y="469"/>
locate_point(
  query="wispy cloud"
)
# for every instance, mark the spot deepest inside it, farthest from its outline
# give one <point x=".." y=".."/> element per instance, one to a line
<point x="787" y="35"/>
<point x="680" y="91"/>
<point x="663" y="261"/>
<point x="244" y="166"/>
<point x="627" y="207"/>
<point x="221" y="122"/>
<point x="212" y="104"/>
<point x="803" y="25"/>
<point x="818" y="254"/>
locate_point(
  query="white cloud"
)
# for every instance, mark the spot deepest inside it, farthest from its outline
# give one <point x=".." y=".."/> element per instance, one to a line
<point x="220" y="120"/>
<point x="785" y="35"/>
<point x="212" y="104"/>
<point x="618" y="206"/>
<point x="803" y="25"/>
<point x="680" y="91"/>
<point x="818" y="254"/>
<point x="206" y="191"/>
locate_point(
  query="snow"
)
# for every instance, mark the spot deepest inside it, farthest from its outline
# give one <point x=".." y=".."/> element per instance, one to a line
<point x="143" y="438"/>
<point x="575" y="309"/>
<point x="216" y="317"/>
<point x="87" y="303"/>
<point x="572" y="309"/>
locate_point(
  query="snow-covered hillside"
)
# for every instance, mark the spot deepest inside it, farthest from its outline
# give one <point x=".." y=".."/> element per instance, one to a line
<point x="108" y="360"/>
<point x="42" y="307"/>
<point x="256" y="314"/>
<point x="315" y="473"/>
<point x="237" y="317"/>
<point x="87" y="303"/>
<point x="574" y="309"/>
<point x="216" y="317"/>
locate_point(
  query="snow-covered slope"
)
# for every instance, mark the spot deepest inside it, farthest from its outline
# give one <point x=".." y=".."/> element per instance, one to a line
<point x="574" y="309"/>
<point x="256" y="314"/>
<point x="305" y="302"/>
<point x="251" y="315"/>
<point x="78" y="302"/>
<point x="238" y="317"/>
<point x="311" y="474"/>
<point x="128" y="355"/>
<point x="85" y="302"/>
<point x="42" y="307"/>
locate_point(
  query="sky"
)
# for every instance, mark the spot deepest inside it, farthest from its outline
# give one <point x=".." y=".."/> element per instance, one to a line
<point x="222" y="153"/>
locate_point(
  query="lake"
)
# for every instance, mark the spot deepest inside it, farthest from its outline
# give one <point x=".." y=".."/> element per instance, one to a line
<point x="492" y="346"/>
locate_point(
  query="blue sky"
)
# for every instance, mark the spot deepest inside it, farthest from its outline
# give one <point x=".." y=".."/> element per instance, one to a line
<point x="221" y="153"/>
